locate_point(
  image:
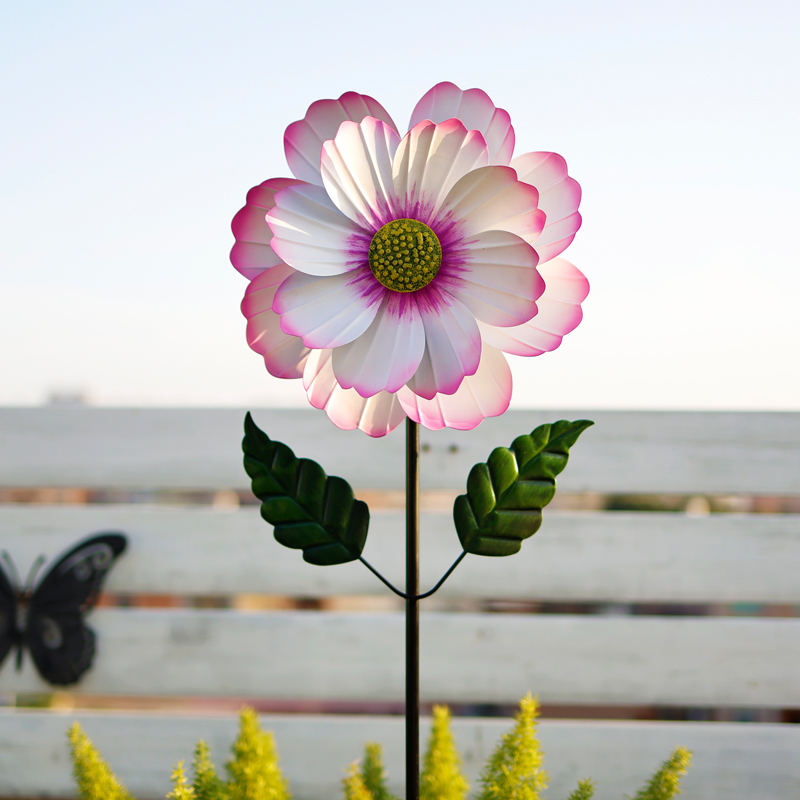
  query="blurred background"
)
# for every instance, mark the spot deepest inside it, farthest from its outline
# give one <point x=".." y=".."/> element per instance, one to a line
<point x="132" y="132"/>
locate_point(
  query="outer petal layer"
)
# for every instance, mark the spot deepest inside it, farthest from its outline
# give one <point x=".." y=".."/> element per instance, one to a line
<point x="252" y="254"/>
<point x="387" y="354"/>
<point x="492" y="198"/>
<point x="324" y="312"/>
<point x="476" y="110"/>
<point x="452" y="344"/>
<point x="303" y="139"/>
<point x="487" y="393"/>
<point x="311" y="234"/>
<point x="284" y="355"/>
<point x="499" y="283"/>
<point x="430" y="160"/>
<point x="357" y="171"/>
<point x="559" y="198"/>
<point x="559" y="313"/>
<point x="376" y="416"/>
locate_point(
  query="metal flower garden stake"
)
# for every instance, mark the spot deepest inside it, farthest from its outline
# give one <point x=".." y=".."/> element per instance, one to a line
<point x="391" y="275"/>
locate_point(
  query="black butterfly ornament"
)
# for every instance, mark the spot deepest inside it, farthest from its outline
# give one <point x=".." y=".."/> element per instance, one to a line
<point x="48" y="620"/>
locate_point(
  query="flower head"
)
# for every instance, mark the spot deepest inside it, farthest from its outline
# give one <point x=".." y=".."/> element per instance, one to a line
<point x="393" y="273"/>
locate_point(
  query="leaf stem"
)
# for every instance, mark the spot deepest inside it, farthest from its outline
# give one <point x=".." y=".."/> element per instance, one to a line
<point x="403" y="594"/>
<point x="381" y="578"/>
<point x="444" y="577"/>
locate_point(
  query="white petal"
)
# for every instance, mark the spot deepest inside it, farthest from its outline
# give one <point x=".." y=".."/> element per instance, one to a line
<point x="252" y="258"/>
<point x="492" y="198"/>
<point x="329" y="311"/>
<point x="310" y="234"/>
<point x="376" y="416"/>
<point x="557" y="236"/>
<point x="303" y="139"/>
<point x="559" y="198"/>
<point x="559" y="313"/>
<point x="499" y="283"/>
<point x="452" y="345"/>
<point x="284" y="355"/>
<point x="430" y="160"/>
<point x="476" y="110"/>
<point x="487" y="393"/>
<point x="357" y="171"/>
<point x="388" y="353"/>
<point x="252" y="253"/>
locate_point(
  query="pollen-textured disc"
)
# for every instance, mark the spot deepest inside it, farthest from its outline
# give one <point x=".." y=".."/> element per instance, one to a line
<point x="405" y="255"/>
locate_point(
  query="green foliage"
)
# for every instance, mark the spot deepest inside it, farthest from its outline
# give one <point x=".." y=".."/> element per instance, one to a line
<point x="254" y="770"/>
<point x="180" y="786"/>
<point x="34" y="700"/>
<point x="207" y="785"/>
<point x="514" y="771"/>
<point x="93" y="776"/>
<point x="666" y="782"/>
<point x="585" y="791"/>
<point x="441" y="777"/>
<point x="310" y="511"/>
<point x="373" y="772"/>
<point x="505" y="496"/>
<point x="354" y="786"/>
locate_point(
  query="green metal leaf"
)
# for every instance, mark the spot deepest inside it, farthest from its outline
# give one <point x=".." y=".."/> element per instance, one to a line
<point x="505" y="496"/>
<point x="310" y="511"/>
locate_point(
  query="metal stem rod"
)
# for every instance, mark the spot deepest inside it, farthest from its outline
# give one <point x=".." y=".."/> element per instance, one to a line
<point x="412" y="610"/>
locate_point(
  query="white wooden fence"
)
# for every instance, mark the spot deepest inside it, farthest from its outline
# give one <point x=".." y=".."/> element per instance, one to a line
<point x="607" y="557"/>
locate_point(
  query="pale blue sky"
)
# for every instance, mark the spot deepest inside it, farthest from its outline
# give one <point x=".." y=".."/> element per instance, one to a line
<point x="132" y="131"/>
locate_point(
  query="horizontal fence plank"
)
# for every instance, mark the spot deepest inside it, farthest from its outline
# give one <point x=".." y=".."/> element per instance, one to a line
<point x="470" y="658"/>
<point x="631" y="451"/>
<point x="731" y="761"/>
<point x="609" y="557"/>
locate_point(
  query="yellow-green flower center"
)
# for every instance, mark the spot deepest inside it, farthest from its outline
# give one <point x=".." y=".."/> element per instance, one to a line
<point x="405" y="255"/>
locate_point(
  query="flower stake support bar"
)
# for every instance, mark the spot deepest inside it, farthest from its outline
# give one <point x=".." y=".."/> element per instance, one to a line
<point x="412" y="610"/>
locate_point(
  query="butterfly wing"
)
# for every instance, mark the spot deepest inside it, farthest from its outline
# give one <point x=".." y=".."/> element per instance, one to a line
<point x="60" y="643"/>
<point x="61" y="646"/>
<point x="9" y="636"/>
